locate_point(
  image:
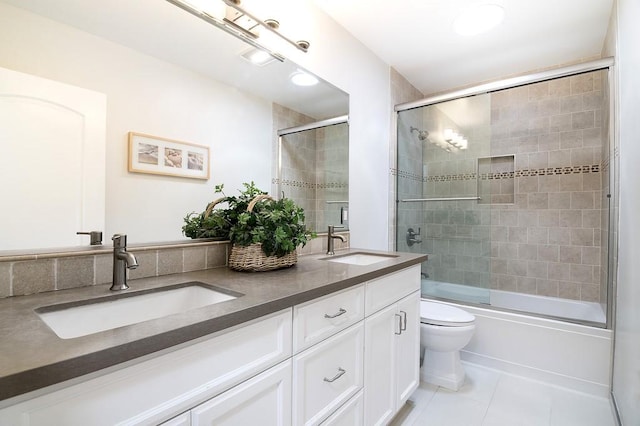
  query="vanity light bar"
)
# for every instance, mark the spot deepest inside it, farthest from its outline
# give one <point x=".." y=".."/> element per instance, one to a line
<point x="229" y="28"/>
<point x="300" y="45"/>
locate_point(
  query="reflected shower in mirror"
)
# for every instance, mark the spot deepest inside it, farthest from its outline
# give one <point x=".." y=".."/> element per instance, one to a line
<point x="313" y="170"/>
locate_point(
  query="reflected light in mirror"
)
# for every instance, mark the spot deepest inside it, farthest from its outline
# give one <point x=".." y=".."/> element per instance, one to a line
<point x="300" y="78"/>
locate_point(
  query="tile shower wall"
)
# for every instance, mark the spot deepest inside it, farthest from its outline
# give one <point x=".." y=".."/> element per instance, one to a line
<point x="543" y="230"/>
<point x="549" y="242"/>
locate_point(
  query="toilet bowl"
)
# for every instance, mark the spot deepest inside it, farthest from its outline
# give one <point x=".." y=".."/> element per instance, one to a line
<point x="444" y="330"/>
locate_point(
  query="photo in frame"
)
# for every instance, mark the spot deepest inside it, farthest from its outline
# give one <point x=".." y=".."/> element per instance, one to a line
<point x="162" y="156"/>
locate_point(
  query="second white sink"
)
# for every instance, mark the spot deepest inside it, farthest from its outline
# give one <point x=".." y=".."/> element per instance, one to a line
<point x="100" y="315"/>
<point x="361" y="259"/>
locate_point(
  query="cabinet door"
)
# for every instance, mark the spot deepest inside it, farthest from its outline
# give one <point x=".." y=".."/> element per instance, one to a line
<point x="263" y="400"/>
<point x="379" y="364"/>
<point x="408" y="348"/>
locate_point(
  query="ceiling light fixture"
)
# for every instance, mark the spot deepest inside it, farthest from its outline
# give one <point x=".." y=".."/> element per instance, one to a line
<point x="478" y="19"/>
<point x="231" y="17"/>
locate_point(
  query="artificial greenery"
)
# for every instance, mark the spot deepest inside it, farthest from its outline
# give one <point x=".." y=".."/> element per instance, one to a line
<point x="278" y="225"/>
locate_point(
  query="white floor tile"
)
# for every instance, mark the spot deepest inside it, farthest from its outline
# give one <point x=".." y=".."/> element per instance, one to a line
<point x="576" y="409"/>
<point x="492" y="398"/>
<point x="447" y="409"/>
<point x="417" y="402"/>
<point x="522" y="399"/>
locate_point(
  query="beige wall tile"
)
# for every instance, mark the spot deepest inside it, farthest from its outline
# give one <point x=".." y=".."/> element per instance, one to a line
<point x="582" y="273"/>
<point x="559" y="236"/>
<point x="549" y="218"/>
<point x="570" y="254"/>
<point x="589" y="293"/>
<point x="582" y="237"/>
<point x="195" y="258"/>
<point x="547" y="288"/>
<point x="75" y="272"/>
<point x="527" y="285"/>
<point x="569" y="290"/>
<point x="559" y="271"/>
<point x="104" y="268"/>
<point x="147" y="265"/>
<point x="570" y="218"/>
<point x="582" y="200"/>
<point x="548" y="253"/>
<point x="559" y="200"/>
<point x="217" y="255"/>
<point x="527" y="251"/>
<point x="5" y="279"/>
<point x="33" y="276"/>
<point x="170" y="261"/>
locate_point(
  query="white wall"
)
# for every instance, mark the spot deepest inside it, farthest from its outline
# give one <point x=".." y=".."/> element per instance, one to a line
<point x="626" y="375"/>
<point x="148" y="96"/>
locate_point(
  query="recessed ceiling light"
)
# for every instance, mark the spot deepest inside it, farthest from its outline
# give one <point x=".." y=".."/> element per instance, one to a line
<point x="478" y="19"/>
<point x="300" y="78"/>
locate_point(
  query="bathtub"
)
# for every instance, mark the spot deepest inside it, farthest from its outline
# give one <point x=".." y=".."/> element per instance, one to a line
<point x="534" y="345"/>
<point x="572" y="310"/>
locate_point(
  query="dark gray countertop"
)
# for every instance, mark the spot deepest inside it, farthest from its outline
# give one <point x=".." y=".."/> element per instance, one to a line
<point x="32" y="356"/>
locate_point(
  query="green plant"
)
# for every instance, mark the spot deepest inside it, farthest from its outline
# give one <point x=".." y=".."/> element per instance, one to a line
<point x="278" y="225"/>
<point x="217" y="223"/>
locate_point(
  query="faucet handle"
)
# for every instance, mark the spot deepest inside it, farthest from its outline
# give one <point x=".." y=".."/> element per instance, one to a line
<point x="333" y="227"/>
<point x="96" y="237"/>
<point x="119" y="240"/>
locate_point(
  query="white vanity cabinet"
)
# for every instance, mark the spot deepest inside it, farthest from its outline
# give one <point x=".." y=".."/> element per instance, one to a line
<point x="347" y="358"/>
<point x="158" y="388"/>
<point x="392" y="344"/>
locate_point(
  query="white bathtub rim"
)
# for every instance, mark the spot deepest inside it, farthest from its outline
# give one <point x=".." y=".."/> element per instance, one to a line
<point x="599" y="322"/>
<point x="524" y="318"/>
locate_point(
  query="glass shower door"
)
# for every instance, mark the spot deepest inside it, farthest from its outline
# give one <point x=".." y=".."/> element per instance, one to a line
<point x="443" y="207"/>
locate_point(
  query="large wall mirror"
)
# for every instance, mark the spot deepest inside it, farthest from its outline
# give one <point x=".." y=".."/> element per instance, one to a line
<point x="164" y="73"/>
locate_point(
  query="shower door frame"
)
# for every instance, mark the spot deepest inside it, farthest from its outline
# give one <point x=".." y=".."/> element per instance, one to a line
<point x="508" y="83"/>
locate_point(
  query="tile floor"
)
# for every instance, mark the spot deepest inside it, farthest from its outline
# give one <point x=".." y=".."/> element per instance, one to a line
<point x="492" y="398"/>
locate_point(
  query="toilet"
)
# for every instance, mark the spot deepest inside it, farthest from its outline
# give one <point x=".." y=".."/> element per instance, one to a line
<point x="444" y="330"/>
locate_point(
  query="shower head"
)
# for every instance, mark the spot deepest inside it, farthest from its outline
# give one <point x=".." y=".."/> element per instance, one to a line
<point x="422" y="134"/>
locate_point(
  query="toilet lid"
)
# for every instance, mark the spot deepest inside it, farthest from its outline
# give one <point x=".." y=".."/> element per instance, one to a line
<point x="441" y="314"/>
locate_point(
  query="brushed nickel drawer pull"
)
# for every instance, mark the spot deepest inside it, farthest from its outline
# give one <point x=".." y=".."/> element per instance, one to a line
<point x="340" y="312"/>
<point x="403" y="323"/>
<point x="336" y="377"/>
<point x="399" y="332"/>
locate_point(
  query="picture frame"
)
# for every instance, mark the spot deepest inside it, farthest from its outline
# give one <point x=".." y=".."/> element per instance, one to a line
<point x="161" y="156"/>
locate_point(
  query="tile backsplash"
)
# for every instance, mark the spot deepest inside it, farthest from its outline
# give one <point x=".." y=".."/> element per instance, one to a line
<point x="28" y="274"/>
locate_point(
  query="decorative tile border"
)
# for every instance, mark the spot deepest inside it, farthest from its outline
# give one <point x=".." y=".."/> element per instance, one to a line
<point x="548" y="171"/>
<point x="309" y="185"/>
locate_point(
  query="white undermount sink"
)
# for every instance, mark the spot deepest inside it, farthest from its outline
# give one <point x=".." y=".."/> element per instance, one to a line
<point x="361" y="259"/>
<point x="76" y="320"/>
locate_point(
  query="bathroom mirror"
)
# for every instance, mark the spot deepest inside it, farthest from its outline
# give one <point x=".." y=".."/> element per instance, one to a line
<point x="168" y="74"/>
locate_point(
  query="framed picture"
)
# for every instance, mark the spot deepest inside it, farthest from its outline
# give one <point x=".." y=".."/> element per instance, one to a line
<point x="161" y="156"/>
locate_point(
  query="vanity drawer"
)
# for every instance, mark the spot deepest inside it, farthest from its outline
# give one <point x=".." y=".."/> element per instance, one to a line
<point x="319" y="319"/>
<point x="389" y="289"/>
<point x="350" y="414"/>
<point x="327" y="375"/>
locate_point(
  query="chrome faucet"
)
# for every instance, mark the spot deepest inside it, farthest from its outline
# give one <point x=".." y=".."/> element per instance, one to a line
<point x="331" y="237"/>
<point x="122" y="260"/>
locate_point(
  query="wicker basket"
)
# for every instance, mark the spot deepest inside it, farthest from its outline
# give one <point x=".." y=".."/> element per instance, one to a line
<point x="252" y="258"/>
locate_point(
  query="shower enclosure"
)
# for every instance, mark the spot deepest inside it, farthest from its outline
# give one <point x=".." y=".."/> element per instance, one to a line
<point x="313" y="170"/>
<point x="506" y="187"/>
